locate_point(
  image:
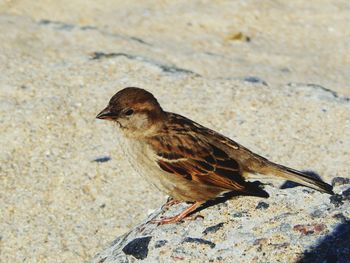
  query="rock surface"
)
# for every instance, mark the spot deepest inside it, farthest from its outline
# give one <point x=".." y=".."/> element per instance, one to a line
<point x="66" y="189"/>
<point x="299" y="225"/>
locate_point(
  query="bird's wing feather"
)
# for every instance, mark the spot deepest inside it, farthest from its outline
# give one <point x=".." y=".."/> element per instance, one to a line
<point x="184" y="154"/>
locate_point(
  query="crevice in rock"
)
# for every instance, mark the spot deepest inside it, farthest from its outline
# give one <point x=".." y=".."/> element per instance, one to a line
<point x="57" y="25"/>
<point x="334" y="94"/>
<point x="165" y="68"/>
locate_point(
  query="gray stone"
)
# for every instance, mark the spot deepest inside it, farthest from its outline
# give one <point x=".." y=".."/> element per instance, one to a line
<point x="294" y="236"/>
<point x="138" y="247"/>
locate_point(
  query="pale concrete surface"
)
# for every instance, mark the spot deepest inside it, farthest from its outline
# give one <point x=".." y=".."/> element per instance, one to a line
<point x="57" y="204"/>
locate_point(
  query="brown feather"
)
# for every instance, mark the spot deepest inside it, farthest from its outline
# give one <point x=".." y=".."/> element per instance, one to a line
<point x="196" y="159"/>
<point x="213" y="159"/>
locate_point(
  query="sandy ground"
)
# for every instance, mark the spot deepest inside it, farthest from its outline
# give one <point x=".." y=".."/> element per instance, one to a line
<point x="57" y="204"/>
<point x="298" y="41"/>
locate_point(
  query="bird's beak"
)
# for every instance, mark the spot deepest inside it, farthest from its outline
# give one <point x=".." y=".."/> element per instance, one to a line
<point x="107" y="114"/>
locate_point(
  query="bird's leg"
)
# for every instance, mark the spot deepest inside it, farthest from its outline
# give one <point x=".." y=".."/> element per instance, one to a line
<point x="170" y="202"/>
<point x="179" y="217"/>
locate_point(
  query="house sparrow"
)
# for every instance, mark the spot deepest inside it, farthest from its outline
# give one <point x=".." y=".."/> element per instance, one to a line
<point x="186" y="160"/>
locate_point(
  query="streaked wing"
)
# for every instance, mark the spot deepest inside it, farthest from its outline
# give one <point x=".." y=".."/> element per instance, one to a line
<point x="182" y="153"/>
<point x="220" y="173"/>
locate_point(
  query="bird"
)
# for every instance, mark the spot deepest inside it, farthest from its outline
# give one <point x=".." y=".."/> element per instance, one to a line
<point x="187" y="161"/>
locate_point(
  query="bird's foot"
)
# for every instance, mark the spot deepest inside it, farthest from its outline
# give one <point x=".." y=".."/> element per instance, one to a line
<point x="170" y="202"/>
<point x="184" y="214"/>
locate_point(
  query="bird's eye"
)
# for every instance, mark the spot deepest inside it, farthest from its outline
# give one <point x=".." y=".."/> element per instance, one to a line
<point x="129" y="112"/>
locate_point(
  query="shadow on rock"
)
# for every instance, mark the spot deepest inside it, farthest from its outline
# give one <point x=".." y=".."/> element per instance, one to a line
<point x="259" y="192"/>
<point x="334" y="247"/>
<point x="290" y="184"/>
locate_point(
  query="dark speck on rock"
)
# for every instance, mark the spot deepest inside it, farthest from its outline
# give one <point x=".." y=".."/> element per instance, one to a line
<point x="160" y="243"/>
<point x="102" y="159"/>
<point x="253" y="79"/>
<point x="340" y="217"/>
<point x="308" y="191"/>
<point x="336" y="200"/>
<point x="346" y="194"/>
<point x="340" y="181"/>
<point x="240" y="214"/>
<point x="213" y="229"/>
<point x="199" y="241"/>
<point x="138" y="247"/>
<point x="262" y="205"/>
<point x="44" y="22"/>
<point x="289" y="184"/>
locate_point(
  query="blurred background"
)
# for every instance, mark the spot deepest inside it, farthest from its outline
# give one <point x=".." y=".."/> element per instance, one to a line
<point x="66" y="189"/>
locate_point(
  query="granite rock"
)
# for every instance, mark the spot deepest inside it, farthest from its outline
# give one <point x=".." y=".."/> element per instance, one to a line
<point x="287" y="232"/>
<point x="66" y="189"/>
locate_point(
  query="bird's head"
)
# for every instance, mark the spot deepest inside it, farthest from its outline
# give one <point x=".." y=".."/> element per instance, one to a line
<point x="135" y="110"/>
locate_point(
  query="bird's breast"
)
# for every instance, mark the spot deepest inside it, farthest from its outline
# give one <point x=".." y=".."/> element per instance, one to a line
<point x="143" y="159"/>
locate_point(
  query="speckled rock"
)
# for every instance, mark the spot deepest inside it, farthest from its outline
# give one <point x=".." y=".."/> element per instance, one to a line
<point x="295" y="224"/>
<point x="66" y="189"/>
<point x="299" y="225"/>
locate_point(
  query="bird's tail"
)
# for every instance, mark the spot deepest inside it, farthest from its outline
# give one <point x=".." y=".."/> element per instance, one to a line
<point x="272" y="169"/>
